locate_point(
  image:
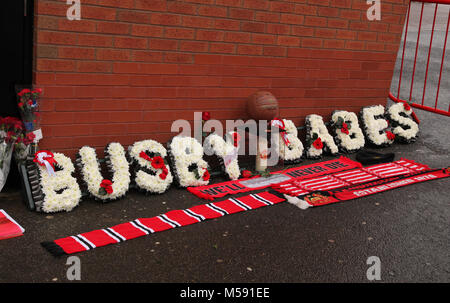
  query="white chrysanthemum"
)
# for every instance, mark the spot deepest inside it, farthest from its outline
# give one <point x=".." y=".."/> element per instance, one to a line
<point x="91" y="174"/>
<point x="62" y="180"/>
<point x="345" y="141"/>
<point x="372" y="126"/>
<point x="295" y="149"/>
<point x="316" y="125"/>
<point x="394" y="115"/>
<point x="186" y="151"/>
<point x="151" y="183"/>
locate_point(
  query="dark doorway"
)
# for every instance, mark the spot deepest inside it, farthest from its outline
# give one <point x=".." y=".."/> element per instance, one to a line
<point x="17" y="51"/>
<point x="16" y="62"/>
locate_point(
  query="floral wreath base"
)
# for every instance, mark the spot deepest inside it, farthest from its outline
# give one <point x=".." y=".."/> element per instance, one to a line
<point x="376" y="136"/>
<point x="56" y="189"/>
<point x="292" y="152"/>
<point x="116" y="164"/>
<point x="189" y="169"/>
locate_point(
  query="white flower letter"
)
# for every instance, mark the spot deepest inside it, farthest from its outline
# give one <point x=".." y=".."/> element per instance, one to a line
<point x="404" y="127"/>
<point x="187" y="159"/>
<point x="375" y="125"/>
<point x="147" y="177"/>
<point x="61" y="191"/>
<point x="315" y="125"/>
<point x="227" y="153"/>
<point x="117" y="164"/>
<point x="349" y="136"/>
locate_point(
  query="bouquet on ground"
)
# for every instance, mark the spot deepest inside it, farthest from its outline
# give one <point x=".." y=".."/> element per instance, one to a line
<point x="28" y="103"/>
<point x="10" y="130"/>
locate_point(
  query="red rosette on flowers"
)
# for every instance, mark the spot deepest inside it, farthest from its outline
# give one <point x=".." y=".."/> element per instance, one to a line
<point x="318" y="143"/>
<point x="206" y="175"/>
<point x="158" y="162"/>
<point x="344" y="128"/>
<point x="107" y="185"/>
<point x="46" y="158"/>
<point x="246" y="173"/>
<point x="390" y="135"/>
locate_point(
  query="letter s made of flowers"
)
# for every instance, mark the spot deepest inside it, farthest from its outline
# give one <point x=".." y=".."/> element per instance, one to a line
<point x="150" y="171"/>
<point x="403" y="126"/>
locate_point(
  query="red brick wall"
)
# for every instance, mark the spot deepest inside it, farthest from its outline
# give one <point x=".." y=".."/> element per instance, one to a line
<point x="130" y="67"/>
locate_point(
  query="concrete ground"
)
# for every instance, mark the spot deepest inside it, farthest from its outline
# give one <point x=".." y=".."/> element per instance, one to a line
<point x="407" y="228"/>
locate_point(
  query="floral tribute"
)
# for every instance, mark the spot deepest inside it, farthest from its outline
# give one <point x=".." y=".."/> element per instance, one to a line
<point x="117" y="165"/>
<point x="149" y="170"/>
<point x="290" y="148"/>
<point x="375" y="126"/>
<point x="405" y="129"/>
<point x="189" y="168"/>
<point x="318" y="139"/>
<point x="226" y="151"/>
<point x="56" y="189"/>
<point x="348" y="135"/>
<point x="29" y="107"/>
<point x="13" y="141"/>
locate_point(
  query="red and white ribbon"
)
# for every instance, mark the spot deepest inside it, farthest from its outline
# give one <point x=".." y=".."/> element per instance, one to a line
<point x="46" y="158"/>
<point x="280" y="124"/>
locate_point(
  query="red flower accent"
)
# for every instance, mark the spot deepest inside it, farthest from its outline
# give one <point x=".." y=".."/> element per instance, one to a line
<point x="24" y="91"/>
<point x="37" y="91"/>
<point x="344" y="128"/>
<point x="246" y="173"/>
<point x="107" y="185"/>
<point x="206" y="175"/>
<point x="29" y="138"/>
<point x="318" y="143"/>
<point x="390" y="135"/>
<point x="165" y="170"/>
<point x="206" y="116"/>
<point x="20" y="104"/>
<point x="158" y="162"/>
<point x="162" y="176"/>
<point x="236" y="139"/>
<point x="30" y="102"/>
<point x="406" y="106"/>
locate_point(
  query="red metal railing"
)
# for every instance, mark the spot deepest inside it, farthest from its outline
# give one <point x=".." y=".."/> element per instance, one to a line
<point x="421" y="105"/>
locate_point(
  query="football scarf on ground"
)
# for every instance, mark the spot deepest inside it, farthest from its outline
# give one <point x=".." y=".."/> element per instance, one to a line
<point x="210" y="192"/>
<point x="145" y="226"/>
<point x="349" y="177"/>
<point x="9" y="228"/>
<point x="318" y="198"/>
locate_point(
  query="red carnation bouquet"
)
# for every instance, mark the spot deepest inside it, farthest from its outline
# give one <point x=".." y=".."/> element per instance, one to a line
<point x="28" y="103"/>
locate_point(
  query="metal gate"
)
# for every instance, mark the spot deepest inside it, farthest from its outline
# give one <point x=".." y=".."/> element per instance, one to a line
<point x="418" y="11"/>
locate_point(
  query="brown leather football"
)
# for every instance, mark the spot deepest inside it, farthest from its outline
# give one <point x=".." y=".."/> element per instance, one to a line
<point x="262" y="105"/>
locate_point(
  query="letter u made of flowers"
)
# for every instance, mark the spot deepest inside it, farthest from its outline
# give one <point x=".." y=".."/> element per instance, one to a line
<point x="189" y="168"/>
<point x="60" y="190"/>
<point x="348" y="135"/>
<point x="405" y="129"/>
<point x="375" y="126"/>
<point x="149" y="169"/>
<point x="318" y="139"/>
<point x="117" y="165"/>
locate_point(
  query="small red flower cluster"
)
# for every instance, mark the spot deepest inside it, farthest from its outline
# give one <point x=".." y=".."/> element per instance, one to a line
<point x="107" y="185"/>
<point x="406" y="106"/>
<point x="206" y="116"/>
<point x="318" y="143"/>
<point x="246" y="174"/>
<point x="206" y="175"/>
<point x="157" y="163"/>
<point x="344" y="128"/>
<point x="390" y="135"/>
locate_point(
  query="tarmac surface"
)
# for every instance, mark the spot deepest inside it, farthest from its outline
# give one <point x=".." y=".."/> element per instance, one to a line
<point x="407" y="228"/>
